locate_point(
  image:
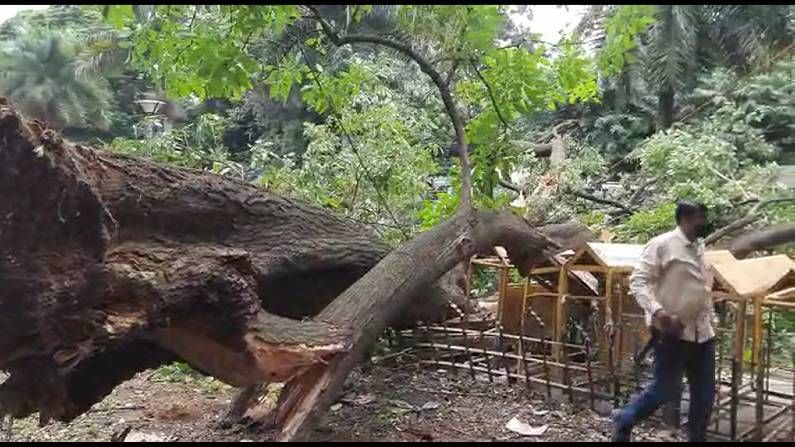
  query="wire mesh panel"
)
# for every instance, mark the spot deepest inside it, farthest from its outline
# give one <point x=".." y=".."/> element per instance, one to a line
<point x="585" y="345"/>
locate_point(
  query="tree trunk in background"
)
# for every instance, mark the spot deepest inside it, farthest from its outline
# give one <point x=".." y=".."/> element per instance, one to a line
<point x="666" y="107"/>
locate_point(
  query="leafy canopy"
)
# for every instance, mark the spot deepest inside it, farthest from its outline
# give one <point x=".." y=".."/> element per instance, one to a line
<point x="207" y="52"/>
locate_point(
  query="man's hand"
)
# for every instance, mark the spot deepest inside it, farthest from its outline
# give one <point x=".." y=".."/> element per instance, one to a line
<point x="667" y="324"/>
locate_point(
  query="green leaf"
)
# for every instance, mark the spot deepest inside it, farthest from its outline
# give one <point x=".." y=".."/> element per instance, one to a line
<point x="119" y="15"/>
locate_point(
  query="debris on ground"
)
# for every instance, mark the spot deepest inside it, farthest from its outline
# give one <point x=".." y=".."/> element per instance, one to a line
<point x="430" y="405"/>
<point x="138" y="436"/>
<point x="525" y="429"/>
<point x="396" y="402"/>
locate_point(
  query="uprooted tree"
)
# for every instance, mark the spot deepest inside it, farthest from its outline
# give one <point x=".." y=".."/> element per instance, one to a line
<point x="112" y="265"/>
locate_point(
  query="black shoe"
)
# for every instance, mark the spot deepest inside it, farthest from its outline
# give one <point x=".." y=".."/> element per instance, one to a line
<point x="620" y="434"/>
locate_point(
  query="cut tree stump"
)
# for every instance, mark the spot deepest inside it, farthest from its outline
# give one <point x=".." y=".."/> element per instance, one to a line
<point x="111" y="265"/>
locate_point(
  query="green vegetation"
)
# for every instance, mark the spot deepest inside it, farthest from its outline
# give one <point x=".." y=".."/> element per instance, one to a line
<point x="665" y="101"/>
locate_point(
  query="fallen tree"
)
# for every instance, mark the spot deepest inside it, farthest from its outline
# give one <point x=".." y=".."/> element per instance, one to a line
<point x="112" y="265"/>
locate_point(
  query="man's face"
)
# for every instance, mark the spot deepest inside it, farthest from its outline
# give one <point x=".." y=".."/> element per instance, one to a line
<point x="695" y="225"/>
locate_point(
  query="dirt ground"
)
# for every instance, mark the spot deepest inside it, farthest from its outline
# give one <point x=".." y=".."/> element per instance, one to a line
<point x="397" y="402"/>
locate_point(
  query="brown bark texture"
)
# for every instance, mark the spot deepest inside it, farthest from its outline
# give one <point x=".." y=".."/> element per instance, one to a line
<point x="110" y="265"/>
<point x="763" y="239"/>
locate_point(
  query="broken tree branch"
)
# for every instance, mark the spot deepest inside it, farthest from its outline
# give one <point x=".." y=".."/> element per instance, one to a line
<point x="584" y="195"/>
<point x="387" y="287"/>
<point x="764" y="239"/>
<point x="752" y="216"/>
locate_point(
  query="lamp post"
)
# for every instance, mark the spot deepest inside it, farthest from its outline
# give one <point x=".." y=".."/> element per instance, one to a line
<point x="151" y="109"/>
<point x="150" y="106"/>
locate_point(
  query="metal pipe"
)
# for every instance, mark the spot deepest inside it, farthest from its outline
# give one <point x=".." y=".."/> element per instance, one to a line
<point x="736" y="371"/>
<point x="505" y="355"/>
<point x="466" y="341"/>
<point x="517" y="376"/>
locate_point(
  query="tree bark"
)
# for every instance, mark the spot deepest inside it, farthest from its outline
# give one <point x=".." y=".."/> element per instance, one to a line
<point x="753" y="215"/>
<point x="665" y="101"/>
<point x="111" y="265"/>
<point x="384" y="290"/>
<point x="766" y="238"/>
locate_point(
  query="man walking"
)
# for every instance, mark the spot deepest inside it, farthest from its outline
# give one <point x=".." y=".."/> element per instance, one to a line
<point x="671" y="285"/>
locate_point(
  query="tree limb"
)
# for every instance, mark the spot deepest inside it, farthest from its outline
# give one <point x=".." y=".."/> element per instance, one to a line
<point x="752" y="216"/>
<point x="584" y="195"/>
<point x="540" y="149"/>
<point x="763" y="239"/>
<point x="641" y="189"/>
<point x="491" y="94"/>
<point x="508" y="185"/>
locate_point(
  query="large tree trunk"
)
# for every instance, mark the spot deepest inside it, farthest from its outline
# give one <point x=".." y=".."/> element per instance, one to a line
<point x="111" y="265"/>
<point x="367" y="305"/>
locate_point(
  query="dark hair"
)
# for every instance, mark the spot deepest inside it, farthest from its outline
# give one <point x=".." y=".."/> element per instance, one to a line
<point x="686" y="208"/>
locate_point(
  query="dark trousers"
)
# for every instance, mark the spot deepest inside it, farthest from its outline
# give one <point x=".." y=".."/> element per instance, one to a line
<point x="672" y="359"/>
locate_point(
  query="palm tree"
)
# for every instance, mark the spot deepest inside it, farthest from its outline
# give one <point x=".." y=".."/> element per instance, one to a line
<point x="746" y="33"/>
<point x="38" y="74"/>
<point x="670" y="56"/>
<point x="686" y="38"/>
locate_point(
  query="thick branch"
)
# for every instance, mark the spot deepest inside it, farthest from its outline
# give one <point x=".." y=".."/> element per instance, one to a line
<point x="752" y="216"/>
<point x="384" y="291"/>
<point x="603" y="201"/>
<point x="763" y="239"/>
<point x="428" y="69"/>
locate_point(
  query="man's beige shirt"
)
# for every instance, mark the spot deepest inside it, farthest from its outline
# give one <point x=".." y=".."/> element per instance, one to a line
<point x="672" y="276"/>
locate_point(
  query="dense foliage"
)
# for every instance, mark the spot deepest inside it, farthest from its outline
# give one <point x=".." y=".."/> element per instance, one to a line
<point x="662" y="102"/>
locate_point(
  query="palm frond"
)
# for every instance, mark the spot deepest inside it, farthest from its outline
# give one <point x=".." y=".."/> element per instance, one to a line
<point x="103" y="52"/>
<point x="744" y="33"/>
<point x="40" y="76"/>
<point x="670" y="55"/>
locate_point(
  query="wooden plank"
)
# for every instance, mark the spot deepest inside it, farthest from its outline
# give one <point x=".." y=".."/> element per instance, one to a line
<point x="560" y="312"/>
<point x="586" y="268"/>
<point x="544" y="270"/>
<point x="781" y="304"/>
